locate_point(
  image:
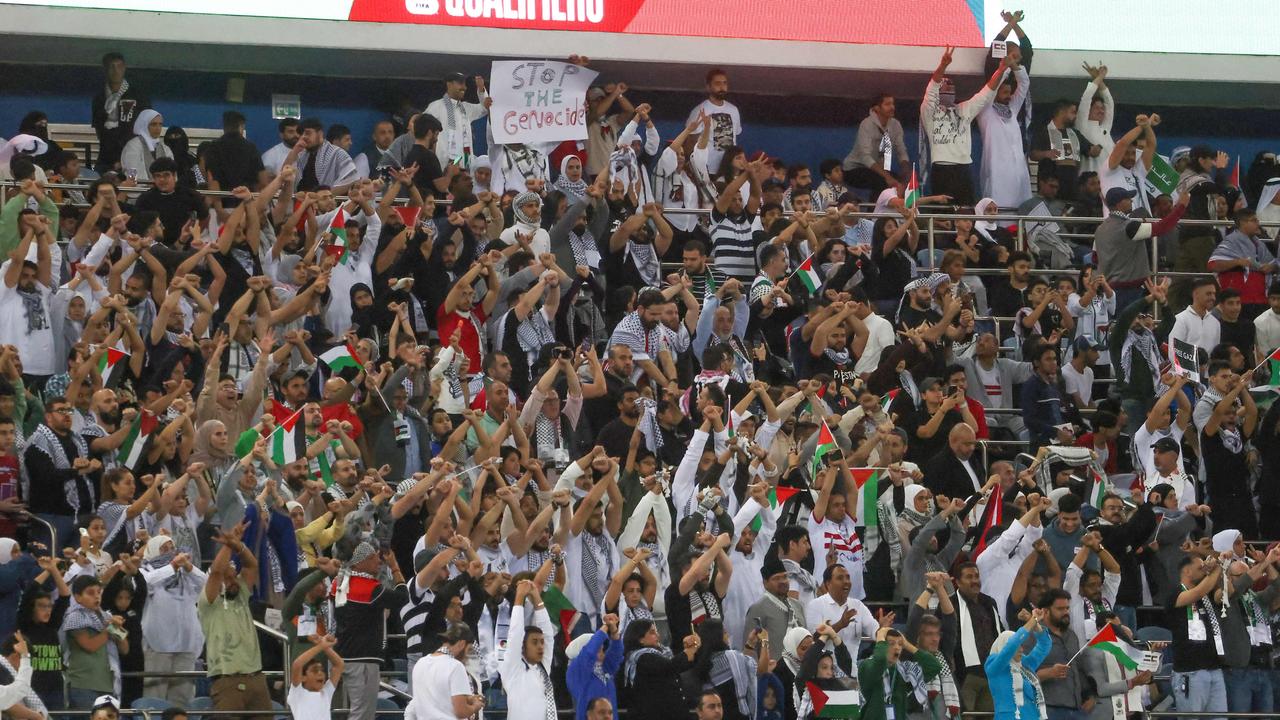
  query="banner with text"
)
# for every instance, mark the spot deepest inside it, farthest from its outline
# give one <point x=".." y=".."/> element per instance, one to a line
<point x="538" y="101"/>
<point x="1186" y="359"/>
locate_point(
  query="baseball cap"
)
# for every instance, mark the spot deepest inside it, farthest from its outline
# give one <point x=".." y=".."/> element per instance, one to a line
<point x="455" y="77"/>
<point x="1086" y="342"/>
<point x="105" y="700"/>
<point x="773" y="184"/>
<point x="1117" y="194"/>
<point x="1165" y="444"/>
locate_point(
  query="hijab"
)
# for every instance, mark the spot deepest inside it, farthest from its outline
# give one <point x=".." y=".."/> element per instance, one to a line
<point x="364" y="320"/>
<point x="205" y="452"/>
<point x="22" y="145"/>
<point x="1225" y="541"/>
<point x="7" y="546"/>
<point x="573" y="189"/>
<point x="284" y="269"/>
<point x="140" y="128"/>
<point x="791" y="647"/>
<point x="29" y="125"/>
<point x="979" y="211"/>
<point x="176" y="139"/>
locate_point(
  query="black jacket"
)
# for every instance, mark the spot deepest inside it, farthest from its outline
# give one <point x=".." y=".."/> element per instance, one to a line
<point x="944" y="474"/>
<point x="111" y="140"/>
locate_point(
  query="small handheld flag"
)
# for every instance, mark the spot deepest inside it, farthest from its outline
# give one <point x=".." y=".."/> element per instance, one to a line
<point x="913" y="190"/>
<point x="826" y="444"/>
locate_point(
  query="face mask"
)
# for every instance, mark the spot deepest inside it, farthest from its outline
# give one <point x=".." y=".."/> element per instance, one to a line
<point x="947" y="99"/>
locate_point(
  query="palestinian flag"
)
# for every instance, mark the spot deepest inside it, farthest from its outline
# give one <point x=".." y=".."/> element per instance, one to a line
<point x="868" y="482"/>
<point x="337" y="247"/>
<point x="778" y="495"/>
<point x="342" y="357"/>
<point x="888" y="399"/>
<point x="826" y="444"/>
<point x="808" y="276"/>
<point x="728" y="421"/>
<point x="561" y="610"/>
<point x="130" y="451"/>
<point x="835" y="697"/>
<point x="1107" y="641"/>
<point x="408" y="214"/>
<point x="992" y="516"/>
<point x="822" y="393"/>
<point x="1273" y="364"/>
<point x="289" y="441"/>
<point x="913" y="190"/>
<point x="1097" y="490"/>
<point x="112" y="366"/>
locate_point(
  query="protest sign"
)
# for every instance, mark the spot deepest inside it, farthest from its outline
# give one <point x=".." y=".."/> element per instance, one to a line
<point x="1185" y="359"/>
<point x="537" y="101"/>
<point x="1162" y="179"/>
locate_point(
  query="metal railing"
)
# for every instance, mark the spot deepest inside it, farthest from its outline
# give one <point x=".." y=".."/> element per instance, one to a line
<point x="7" y="185"/>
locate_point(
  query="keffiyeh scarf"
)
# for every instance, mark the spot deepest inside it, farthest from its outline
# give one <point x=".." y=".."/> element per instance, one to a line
<point x="33" y="309"/>
<point x="112" y="102"/>
<point x="1143" y="344"/>
<point x="547" y="433"/>
<point x="46" y="441"/>
<point x="629" y="670"/>
<point x="733" y="665"/>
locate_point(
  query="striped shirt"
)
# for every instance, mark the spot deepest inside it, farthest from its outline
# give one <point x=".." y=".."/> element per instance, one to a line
<point x="707" y="281"/>
<point x="733" y="246"/>
<point x="414" y="615"/>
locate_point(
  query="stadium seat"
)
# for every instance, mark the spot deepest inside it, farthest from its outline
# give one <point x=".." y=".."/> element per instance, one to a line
<point x="388" y="704"/>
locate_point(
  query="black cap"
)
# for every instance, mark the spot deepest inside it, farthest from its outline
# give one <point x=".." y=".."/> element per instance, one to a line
<point x="1165" y="444"/>
<point x="455" y="77"/>
<point x="1118" y="194"/>
<point x="772" y="184"/>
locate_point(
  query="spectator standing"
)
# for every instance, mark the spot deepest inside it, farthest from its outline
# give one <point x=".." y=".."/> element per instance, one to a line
<point x="526" y="670"/>
<point x="725" y="120"/>
<point x="232" y="656"/>
<point x="947" y="126"/>
<point x="1014" y="686"/>
<point x="320" y="163"/>
<point x="232" y="160"/>
<point x="594" y="661"/>
<point x="456" y="117"/>
<point x="273" y="159"/>
<point x="878" y="159"/>
<point x="1094" y="117"/>
<point x="311" y="690"/>
<point x="1005" y="178"/>
<point x="114" y="109"/>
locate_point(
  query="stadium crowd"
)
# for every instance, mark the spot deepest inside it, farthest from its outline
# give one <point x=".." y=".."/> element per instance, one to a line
<point x="639" y="424"/>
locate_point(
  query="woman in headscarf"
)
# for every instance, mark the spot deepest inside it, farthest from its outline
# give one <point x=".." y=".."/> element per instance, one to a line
<point x="730" y="672"/>
<point x="175" y="138"/>
<point x="795" y="644"/>
<point x="1174" y="529"/>
<point x="991" y="231"/>
<point x="824" y="659"/>
<point x="570" y="181"/>
<point x="36" y="123"/>
<point x="171" y="632"/>
<point x="1015" y="690"/>
<point x="146" y="146"/>
<point x="650" y="675"/>
<point x="16" y="570"/>
<point x="213" y="448"/>
<point x="364" y="318"/>
<point x="28" y="145"/>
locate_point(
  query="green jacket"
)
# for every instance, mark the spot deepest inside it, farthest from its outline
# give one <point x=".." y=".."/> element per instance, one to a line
<point x="9" y="235"/>
<point x="871" y="674"/>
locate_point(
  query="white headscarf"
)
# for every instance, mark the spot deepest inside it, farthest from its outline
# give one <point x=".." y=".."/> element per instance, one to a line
<point x="909" y="494"/>
<point x="791" y="647"/>
<point x="7" y="546"/>
<point x="1225" y="540"/>
<point x="140" y="129"/>
<point x="32" y="145"/>
<point x="980" y="210"/>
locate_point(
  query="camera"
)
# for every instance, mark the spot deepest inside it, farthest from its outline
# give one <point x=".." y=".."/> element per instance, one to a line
<point x="564" y="352"/>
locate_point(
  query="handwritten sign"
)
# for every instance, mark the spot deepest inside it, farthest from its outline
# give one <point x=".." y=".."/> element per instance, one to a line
<point x="1185" y="359"/>
<point x="538" y="101"/>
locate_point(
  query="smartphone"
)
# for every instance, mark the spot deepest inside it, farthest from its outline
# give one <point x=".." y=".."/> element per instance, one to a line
<point x="759" y="625"/>
<point x="952" y="390"/>
<point x="224" y="328"/>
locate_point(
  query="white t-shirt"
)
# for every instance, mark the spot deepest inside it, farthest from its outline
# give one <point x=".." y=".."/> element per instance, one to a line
<point x="1142" y="441"/>
<point x="880" y="336"/>
<point x="990" y="380"/>
<point x="1129" y="179"/>
<point x="437" y="678"/>
<point x="306" y="705"/>
<point x="1094" y="321"/>
<point x="726" y="125"/>
<point x="35" y="348"/>
<point x="1078" y="383"/>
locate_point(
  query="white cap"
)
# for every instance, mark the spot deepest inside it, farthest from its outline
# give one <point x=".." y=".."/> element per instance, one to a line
<point x="576" y="645"/>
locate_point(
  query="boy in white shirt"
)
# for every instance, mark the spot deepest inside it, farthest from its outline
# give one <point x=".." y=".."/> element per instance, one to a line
<point x="310" y="689"/>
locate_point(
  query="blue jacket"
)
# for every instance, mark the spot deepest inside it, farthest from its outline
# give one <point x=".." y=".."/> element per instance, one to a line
<point x="14" y="576"/>
<point x="1000" y="676"/>
<point x="1041" y="408"/>
<point x="584" y="684"/>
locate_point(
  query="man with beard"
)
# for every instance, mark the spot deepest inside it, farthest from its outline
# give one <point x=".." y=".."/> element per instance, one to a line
<point x="879" y="139"/>
<point x="615" y="437"/>
<point x="724" y="120"/>
<point x="320" y="163"/>
<point x="948" y="126"/>
<point x="775" y="610"/>
<point x="27" y="294"/>
<point x="105" y="425"/>
<point x="59" y="459"/>
<point x="640" y="331"/>
<point x="273" y="159"/>
<point x="444" y="689"/>
<point x="460" y="309"/>
<point x="748" y="556"/>
<point x="978" y="624"/>
<point x="456" y="116"/>
<point x="600" y="404"/>
<point x="649" y="530"/>
<point x="232" y="657"/>
<point x="723" y="321"/>
<point x="832" y="531"/>
<point x="640" y="241"/>
<point x="1064" y="684"/>
<point x="699" y="593"/>
<point x="1092" y="592"/>
<point x="591" y="555"/>
<point x="220" y="399"/>
<point x="1042" y="401"/>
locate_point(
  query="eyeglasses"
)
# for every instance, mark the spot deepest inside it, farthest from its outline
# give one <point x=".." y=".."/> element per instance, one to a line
<point x="61" y="411"/>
